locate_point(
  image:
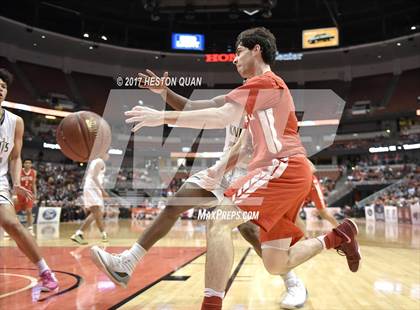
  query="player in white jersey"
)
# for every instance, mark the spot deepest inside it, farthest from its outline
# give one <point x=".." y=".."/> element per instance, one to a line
<point x="203" y="188"/>
<point x="93" y="198"/>
<point x="11" y="139"/>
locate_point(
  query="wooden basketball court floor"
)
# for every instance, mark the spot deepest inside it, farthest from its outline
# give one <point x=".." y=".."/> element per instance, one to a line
<point x="172" y="274"/>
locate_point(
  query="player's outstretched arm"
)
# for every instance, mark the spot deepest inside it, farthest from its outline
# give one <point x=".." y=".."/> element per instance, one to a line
<point x="15" y="160"/>
<point x="201" y="119"/>
<point x="176" y="101"/>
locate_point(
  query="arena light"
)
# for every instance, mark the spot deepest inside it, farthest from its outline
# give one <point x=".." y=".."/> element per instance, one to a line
<point x="393" y="148"/>
<point x="411" y="146"/>
<point x="188" y="41"/>
<point x="250" y="13"/>
<point x="418" y="112"/>
<point x="51" y="146"/>
<point x="104" y="38"/>
<point x="86" y="35"/>
<point x="380" y="149"/>
<point x="320" y="122"/>
<point x="197" y="155"/>
<point x="30" y="108"/>
<point x="115" y="152"/>
<point x="288" y="56"/>
<point x="50" y="117"/>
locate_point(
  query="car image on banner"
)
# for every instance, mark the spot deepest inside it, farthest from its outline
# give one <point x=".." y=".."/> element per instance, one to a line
<point x="322" y="37"/>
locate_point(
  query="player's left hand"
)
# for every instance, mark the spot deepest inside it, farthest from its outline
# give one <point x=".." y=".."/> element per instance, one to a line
<point x="20" y="190"/>
<point x="144" y="117"/>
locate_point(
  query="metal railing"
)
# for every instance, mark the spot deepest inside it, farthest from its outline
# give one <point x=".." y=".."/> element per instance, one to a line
<point x="369" y="199"/>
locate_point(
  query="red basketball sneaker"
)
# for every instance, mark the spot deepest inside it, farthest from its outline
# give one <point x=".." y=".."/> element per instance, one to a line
<point x="350" y="249"/>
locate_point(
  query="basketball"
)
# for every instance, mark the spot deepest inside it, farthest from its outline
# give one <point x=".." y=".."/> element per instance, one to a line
<point x="83" y="135"/>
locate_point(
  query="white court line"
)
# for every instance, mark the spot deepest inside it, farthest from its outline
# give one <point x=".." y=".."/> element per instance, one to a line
<point x="31" y="285"/>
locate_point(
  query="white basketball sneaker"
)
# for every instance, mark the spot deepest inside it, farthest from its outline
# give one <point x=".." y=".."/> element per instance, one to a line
<point x="296" y="294"/>
<point x="118" y="267"/>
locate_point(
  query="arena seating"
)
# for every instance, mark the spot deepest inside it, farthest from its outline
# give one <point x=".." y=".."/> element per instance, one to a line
<point x="93" y="89"/>
<point x="16" y="92"/>
<point x="376" y="85"/>
<point x="405" y="194"/>
<point x="407" y="92"/>
<point x="46" y="80"/>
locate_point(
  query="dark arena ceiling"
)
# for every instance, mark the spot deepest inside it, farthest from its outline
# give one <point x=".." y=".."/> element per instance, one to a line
<point x="148" y="24"/>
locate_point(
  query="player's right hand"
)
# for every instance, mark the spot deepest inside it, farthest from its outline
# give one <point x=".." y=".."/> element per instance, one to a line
<point x="146" y="82"/>
<point x="20" y="190"/>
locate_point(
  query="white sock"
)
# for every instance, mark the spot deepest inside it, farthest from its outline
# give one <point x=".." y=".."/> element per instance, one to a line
<point x="79" y="232"/>
<point x="289" y="275"/>
<point x="321" y="239"/>
<point x="208" y="292"/>
<point x="104" y="234"/>
<point x="136" y="252"/>
<point x="42" y="266"/>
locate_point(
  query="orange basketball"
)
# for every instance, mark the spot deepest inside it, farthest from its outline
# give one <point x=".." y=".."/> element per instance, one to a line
<point x="83" y="135"/>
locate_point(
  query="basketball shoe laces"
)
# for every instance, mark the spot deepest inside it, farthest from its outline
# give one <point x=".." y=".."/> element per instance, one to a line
<point x="121" y="262"/>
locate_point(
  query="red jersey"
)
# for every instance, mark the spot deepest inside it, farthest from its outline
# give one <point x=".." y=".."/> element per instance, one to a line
<point x="270" y="118"/>
<point x="27" y="179"/>
<point x="316" y="195"/>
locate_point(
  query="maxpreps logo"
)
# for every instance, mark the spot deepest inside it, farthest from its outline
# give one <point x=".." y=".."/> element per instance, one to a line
<point x="49" y="214"/>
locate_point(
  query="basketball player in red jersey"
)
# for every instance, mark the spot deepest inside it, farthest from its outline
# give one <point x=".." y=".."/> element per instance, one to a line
<point x="205" y="190"/>
<point x="11" y="136"/>
<point x="279" y="176"/>
<point x="278" y="179"/>
<point x="28" y="181"/>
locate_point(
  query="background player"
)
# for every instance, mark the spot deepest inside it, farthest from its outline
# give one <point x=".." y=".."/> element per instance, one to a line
<point x="28" y="181"/>
<point x="93" y="198"/>
<point x="11" y="135"/>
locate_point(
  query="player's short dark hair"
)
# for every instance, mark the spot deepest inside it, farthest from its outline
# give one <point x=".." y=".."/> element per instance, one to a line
<point x="6" y="76"/>
<point x="264" y="38"/>
<point x="27" y="159"/>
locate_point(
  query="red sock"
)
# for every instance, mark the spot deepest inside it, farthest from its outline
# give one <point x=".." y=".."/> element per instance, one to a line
<point x="212" y="303"/>
<point x="332" y="240"/>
